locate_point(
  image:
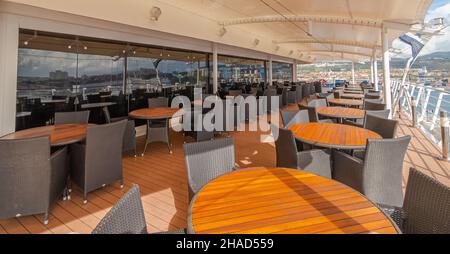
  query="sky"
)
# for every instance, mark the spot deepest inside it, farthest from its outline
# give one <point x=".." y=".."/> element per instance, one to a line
<point x="438" y="9"/>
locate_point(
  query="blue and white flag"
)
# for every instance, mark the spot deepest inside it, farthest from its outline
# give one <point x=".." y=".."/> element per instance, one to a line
<point x="416" y="46"/>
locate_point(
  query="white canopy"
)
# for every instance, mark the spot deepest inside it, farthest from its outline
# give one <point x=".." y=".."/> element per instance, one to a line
<point x="305" y="30"/>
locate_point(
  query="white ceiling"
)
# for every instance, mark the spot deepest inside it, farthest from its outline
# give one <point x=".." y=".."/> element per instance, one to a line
<point x="306" y="30"/>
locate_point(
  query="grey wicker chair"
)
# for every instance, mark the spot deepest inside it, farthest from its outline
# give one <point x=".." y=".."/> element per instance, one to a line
<point x="362" y="122"/>
<point x="387" y="128"/>
<point x="379" y="175"/>
<point x="313" y="115"/>
<point x="158" y="130"/>
<point x="314" y="161"/>
<point x="271" y="94"/>
<point x="368" y="105"/>
<point x="198" y="135"/>
<point x="126" y="217"/>
<point x="31" y="179"/>
<point x="318" y="103"/>
<point x="372" y="96"/>
<point x="206" y="161"/>
<point x="129" y="137"/>
<point x="99" y="161"/>
<point x="291" y="117"/>
<point x="425" y="208"/>
<point x="78" y="117"/>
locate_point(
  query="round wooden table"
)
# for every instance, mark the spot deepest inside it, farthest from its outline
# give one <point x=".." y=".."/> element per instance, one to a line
<point x="60" y="134"/>
<point x="346" y="102"/>
<point x="151" y="114"/>
<point x="154" y="113"/>
<point x="331" y="135"/>
<point x="352" y="96"/>
<point x="341" y="112"/>
<point x="283" y="201"/>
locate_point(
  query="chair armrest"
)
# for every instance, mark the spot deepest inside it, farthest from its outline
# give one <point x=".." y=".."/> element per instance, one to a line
<point x="348" y="170"/>
<point x="59" y="173"/>
<point x="397" y="214"/>
<point x="356" y="124"/>
<point x="315" y="161"/>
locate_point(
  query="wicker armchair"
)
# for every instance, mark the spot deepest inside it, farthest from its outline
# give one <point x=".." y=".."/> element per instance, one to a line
<point x="379" y="175"/>
<point x="99" y="161"/>
<point x="387" y="128"/>
<point x="78" y="117"/>
<point x="31" y="180"/>
<point x="158" y="130"/>
<point x="314" y="161"/>
<point x="313" y="115"/>
<point x="425" y="208"/>
<point x="368" y="105"/>
<point x="291" y="117"/>
<point x="206" y="161"/>
<point x="126" y="217"/>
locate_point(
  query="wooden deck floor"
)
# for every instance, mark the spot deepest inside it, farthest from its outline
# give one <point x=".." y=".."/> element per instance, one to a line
<point x="162" y="180"/>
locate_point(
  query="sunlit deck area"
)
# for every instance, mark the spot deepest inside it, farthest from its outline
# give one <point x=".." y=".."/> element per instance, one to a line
<point x="163" y="183"/>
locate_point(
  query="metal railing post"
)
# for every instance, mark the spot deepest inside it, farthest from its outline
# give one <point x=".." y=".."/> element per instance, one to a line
<point x="413" y="112"/>
<point x="445" y="136"/>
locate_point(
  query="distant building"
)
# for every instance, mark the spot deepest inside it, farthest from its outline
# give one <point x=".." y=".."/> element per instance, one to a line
<point x="59" y="75"/>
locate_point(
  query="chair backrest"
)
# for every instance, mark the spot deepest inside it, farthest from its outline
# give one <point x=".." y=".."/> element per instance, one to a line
<point x="286" y="149"/>
<point x="387" y="128"/>
<point x="103" y="152"/>
<point x="312" y="112"/>
<point x="306" y="91"/>
<point x="126" y="216"/>
<point x="291" y="117"/>
<point x="383" y="166"/>
<point x="299" y="93"/>
<point x="235" y="92"/>
<point x="427" y="205"/>
<point x="158" y="102"/>
<point x="374" y="106"/>
<point x="206" y="161"/>
<point x="78" y="117"/>
<point x="337" y="94"/>
<point x="380" y="113"/>
<point x="24" y="176"/>
<point x="318" y="103"/>
<point x="372" y="96"/>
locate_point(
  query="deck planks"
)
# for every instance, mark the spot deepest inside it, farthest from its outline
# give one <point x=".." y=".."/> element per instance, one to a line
<point x="163" y="184"/>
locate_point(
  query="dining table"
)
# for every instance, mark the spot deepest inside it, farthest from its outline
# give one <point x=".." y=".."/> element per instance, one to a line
<point x="333" y="135"/>
<point x="283" y="201"/>
<point x="352" y="96"/>
<point x="341" y="113"/>
<point x="155" y="114"/>
<point x="346" y="102"/>
<point x="60" y="134"/>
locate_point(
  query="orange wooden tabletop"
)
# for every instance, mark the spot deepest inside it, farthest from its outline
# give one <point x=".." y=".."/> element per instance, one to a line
<point x="331" y="135"/>
<point x="154" y="113"/>
<point x="283" y="201"/>
<point x="60" y="134"/>
<point x="352" y="96"/>
<point x="341" y="112"/>
<point x="346" y="102"/>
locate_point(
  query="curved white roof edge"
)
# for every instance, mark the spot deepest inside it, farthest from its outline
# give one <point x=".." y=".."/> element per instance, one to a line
<point x="304" y="30"/>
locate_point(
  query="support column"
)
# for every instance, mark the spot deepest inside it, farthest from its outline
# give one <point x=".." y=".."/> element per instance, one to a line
<point x="375" y="72"/>
<point x="294" y="71"/>
<point x="386" y="70"/>
<point x="371" y="70"/>
<point x="215" y="75"/>
<point x="270" y="71"/>
<point x="353" y="73"/>
<point x="9" y="39"/>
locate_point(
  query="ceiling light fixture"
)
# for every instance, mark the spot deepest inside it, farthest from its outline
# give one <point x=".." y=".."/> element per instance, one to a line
<point x="222" y="31"/>
<point x="256" y="42"/>
<point x="77" y="43"/>
<point x="155" y="13"/>
<point x="30" y="39"/>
